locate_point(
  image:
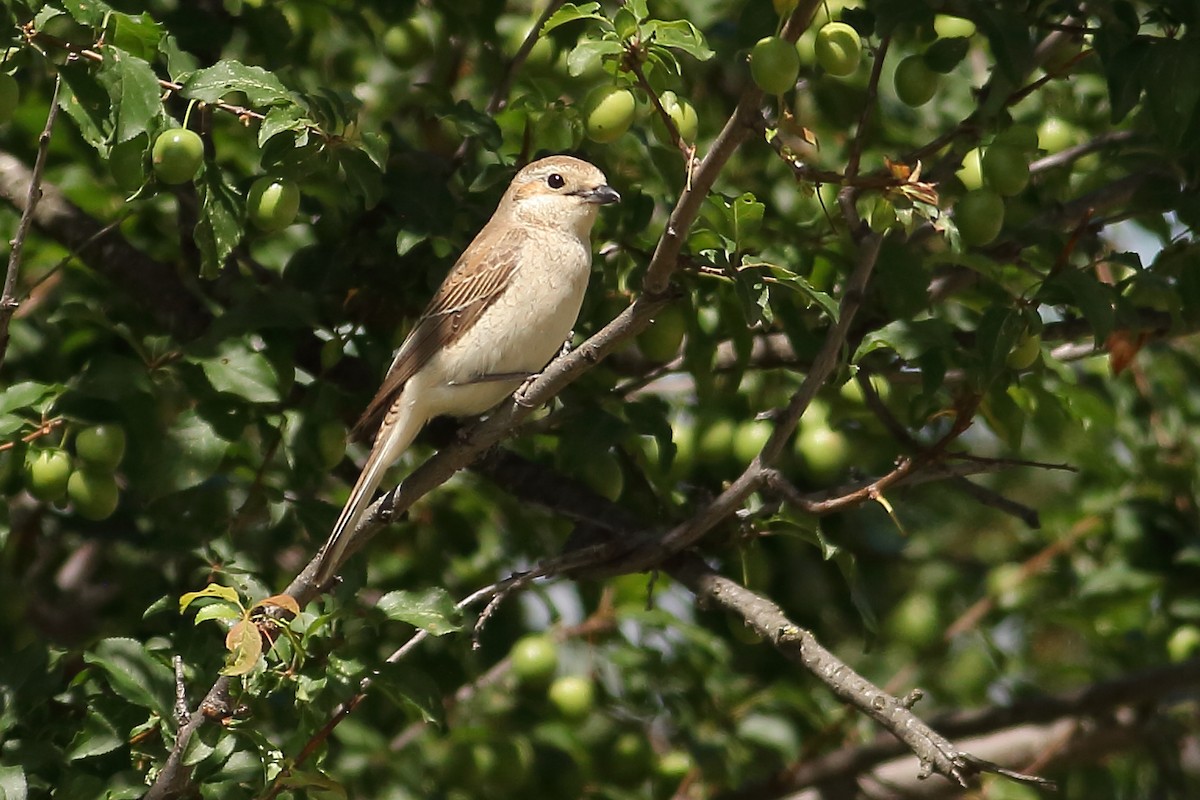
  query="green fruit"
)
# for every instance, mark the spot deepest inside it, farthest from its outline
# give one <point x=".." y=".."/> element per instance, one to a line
<point x="916" y="83"/>
<point x="948" y="27"/>
<point x="94" y="495"/>
<point x="784" y="7"/>
<point x="915" y="621"/>
<point x="10" y="94"/>
<point x="1054" y="134"/>
<point x="534" y="659"/>
<point x="774" y="65"/>
<point x="715" y="444"/>
<point x="127" y="163"/>
<point x="661" y="341"/>
<point x="749" y="439"/>
<point x="608" y="113"/>
<point x="1025" y="352"/>
<point x="630" y="758"/>
<point x="601" y="470"/>
<point x="675" y="765"/>
<point x="824" y="452"/>
<point x="1022" y="137"/>
<point x="979" y="216"/>
<point x="682" y="113"/>
<point x="838" y="49"/>
<point x="971" y="171"/>
<point x="177" y="156"/>
<point x="1063" y="53"/>
<point x="407" y="43"/>
<point x="101" y="446"/>
<point x="272" y="204"/>
<point x="851" y="391"/>
<point x="1005" y="169"/>
<point x="572" y="695"/>
<point x="1183" y="643"/>
<point x="47" y="473"/>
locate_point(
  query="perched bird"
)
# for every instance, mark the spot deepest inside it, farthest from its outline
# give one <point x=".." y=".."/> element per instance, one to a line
<point x="503" y="311"/>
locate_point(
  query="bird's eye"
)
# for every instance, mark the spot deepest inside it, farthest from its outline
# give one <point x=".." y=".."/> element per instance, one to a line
<point x="555" y="181"/>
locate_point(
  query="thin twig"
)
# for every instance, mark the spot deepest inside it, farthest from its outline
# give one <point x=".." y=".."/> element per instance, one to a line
<point x="8" y="300"/>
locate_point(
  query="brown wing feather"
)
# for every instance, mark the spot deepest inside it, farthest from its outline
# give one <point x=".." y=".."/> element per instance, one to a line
<point x="476" y="280"/>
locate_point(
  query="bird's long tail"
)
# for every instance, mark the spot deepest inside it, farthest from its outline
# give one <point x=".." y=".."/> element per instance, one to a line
<point x="393" y="439"/>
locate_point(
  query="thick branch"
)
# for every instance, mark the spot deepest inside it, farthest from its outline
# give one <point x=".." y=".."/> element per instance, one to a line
<point x="153" y="285"/>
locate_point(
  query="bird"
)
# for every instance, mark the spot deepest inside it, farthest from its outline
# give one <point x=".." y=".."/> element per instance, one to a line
<point x="505" y="308"/>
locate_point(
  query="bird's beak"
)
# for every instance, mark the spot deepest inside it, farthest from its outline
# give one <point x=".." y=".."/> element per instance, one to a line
<point x="602" y="195"/>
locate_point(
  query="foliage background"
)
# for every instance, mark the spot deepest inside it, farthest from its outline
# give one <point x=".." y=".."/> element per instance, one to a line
<point x="234" y="360"/>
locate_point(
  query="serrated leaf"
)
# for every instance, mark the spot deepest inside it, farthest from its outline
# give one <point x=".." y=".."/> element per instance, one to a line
<point x="218" y="611"/>
<point x="284" y="601"/>
<point x="87" y="12"/>
<point x="280" y="119"/>
<point x="220" y="226"/>
<point x="209" y="85"/>
<point x="213" y="590"/>
<point x="86" y="102"/>
<point x="180" y="63"/>
<point x="95" y="737"/>
<point x="138" y="35"/>
<point x="244" y="644"/>
<point x="376" y="148"/>
<point x="786" y="278"/>
<point x="243" y="372"/>
<point x="133" y="91"/>
<point x="134" y="674"/>
<point x="678" y="34"/>
<point x="589" y="52"/>
<point x="431" y="610"/>
<point x="571" y="12"/>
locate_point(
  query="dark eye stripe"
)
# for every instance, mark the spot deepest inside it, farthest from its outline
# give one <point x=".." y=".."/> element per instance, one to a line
<point x="555" y="181"/>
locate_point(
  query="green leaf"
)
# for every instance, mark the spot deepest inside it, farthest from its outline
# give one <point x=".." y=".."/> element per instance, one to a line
<point x="362" y="174"/>
<point x="243" y="372"/>
<point x="138" y="35"/>
<point x="215" y="591"/>
<point x="133" y="91"/>
<point x="180" y="64"/>
<point x="678" y="34"/>
<point x="188" y="455"/>
<point x="209" y="85"/>
<point x="946" y="54"/>
<point x="1172" y="93"/>
<point x="218" y="611"/>
<point x="786" y="278"/>
<point x="589" y="52"/>
<point x="1083" y="290"/>
<point x="134" y="674"/>
<point x="908" y="338"/>
<point x="96" y="737"/>
<point x="220" y="226"/>
<point x="431" y="610"/>
<point x="571" y="12"/>
<point x="12" y="783"/>
<point x="375" y="146"/>
<point x="754" y="296"/>
<point x="280" y="119"/>
<point x="87" y="12"/>
<point x="26" y="396"/>
<point x="86" y="102"/>
<point x="747" y="218"/>
<point x="404" y="685"/>
<point x="1009" y="38"/>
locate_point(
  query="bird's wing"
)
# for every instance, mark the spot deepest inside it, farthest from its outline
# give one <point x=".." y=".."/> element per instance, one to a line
<point x="478" y="277"/>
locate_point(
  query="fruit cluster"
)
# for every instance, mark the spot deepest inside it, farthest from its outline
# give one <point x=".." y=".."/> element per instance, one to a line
<point x="88" y="481"/>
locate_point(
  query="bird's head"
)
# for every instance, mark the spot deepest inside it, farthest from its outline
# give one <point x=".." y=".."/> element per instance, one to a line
<point x="558" y="191"/>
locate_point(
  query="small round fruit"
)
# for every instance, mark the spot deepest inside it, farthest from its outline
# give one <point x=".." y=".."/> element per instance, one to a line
<point x="407" y="43"/>
<point x="660" y="342"/>
<point x="608" y="113"/>
<point x="979" y="216"/>
<point x="1054" y="134"/>
<point x="675" y="765"/>
<point x="915" y="621"/>
<point x="10" y="94"/>
<point x="824" y="452"/>
<point x="47" y="473"/>
<point x="534" y="659"/>
<point x="715" y="445"/>
<point x="177" y="156"/>
<point x="1005" y="169"/>
<point x="1183" y="643"/>
<point x="101" y="446"/>
<point x="630" y="759"/>
<point x="272" y="204"/>
<point x="838" y="49"/>
<point x="1025" y="352"/>
<point x="749" y="439"/>
<point x="783" y="7"/>
<point x="94" y="495"/>
<point x="971" y="171"/>
<point x="774" y="65"/>
<point x="916" y="83"/>
<point x="948" y="27"/>
<point x="572" y="695"/>
<point x="127" y="163"/>
<point x="682" y="113"/>
<point x="1023" y="137"/>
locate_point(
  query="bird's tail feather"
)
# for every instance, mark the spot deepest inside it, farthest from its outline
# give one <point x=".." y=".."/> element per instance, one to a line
<point x="391" y="442"/>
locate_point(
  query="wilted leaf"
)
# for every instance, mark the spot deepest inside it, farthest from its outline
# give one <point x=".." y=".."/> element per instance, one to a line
<point x="244" y="644"/>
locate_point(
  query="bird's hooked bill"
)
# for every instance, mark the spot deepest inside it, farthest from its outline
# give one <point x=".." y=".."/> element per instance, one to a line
<point x="601" y="195"/>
